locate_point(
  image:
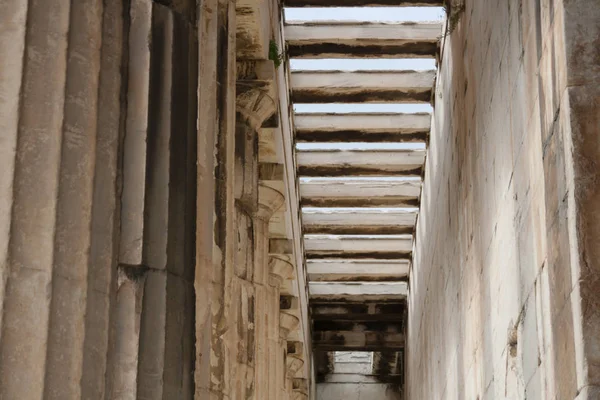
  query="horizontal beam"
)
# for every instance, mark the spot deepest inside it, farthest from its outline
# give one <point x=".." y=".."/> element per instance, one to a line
<point x="357" y="270"/>
<point x="358" y="221"/>
<point x="361" y="170"/>
<point x="363" y="3"/>
<point x="361" y="162"/>
<point x="346" y="192"/>
<point x="357" y="341"/>
<point x="358" y="243"/>
<point x="357" y="291"/>
<point x="362" y="39"/>
<point x="359" y="255"/>
<point x="358" y="246"/>
<point x="325" y="229"/>
<point x="360" y="201"/>
<point x="360" y="311"/>
<point x="371" y="187"/>
<point x="343" y="378"/>
<point x="359" y="157"/>
<point x="362" y="86"/>
<point x="358" y="326"/>
<point x="358" y="217"/>
<point x="362" y="127"/>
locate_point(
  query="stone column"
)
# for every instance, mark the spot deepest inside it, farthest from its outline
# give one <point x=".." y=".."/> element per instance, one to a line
<point x="155" y="254"/>
<point x="268" y="275"/>
<point x="92" y="197"/>
<point x="207" y="127"/>
<point x="288" y="322"/>
<point x="216" y="219"/>
<point x="60" y="122"/>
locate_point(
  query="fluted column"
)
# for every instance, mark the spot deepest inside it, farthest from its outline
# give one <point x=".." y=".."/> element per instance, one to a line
<point x="93" y="192"/>
<point x="267" y="271"/>
<point x="155" y="256"/>
<point x="59" y="117"/>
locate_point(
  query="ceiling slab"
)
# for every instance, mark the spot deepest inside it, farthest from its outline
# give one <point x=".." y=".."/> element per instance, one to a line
<point x="362" y="86"/>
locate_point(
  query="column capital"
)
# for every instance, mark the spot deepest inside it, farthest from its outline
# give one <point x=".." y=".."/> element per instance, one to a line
<point x="269" y="201"/>
<point x="287" y="323"/>
<point x="294" y="363"/>
<point x="294" y="358"/>
<point x="280" y="269"/>
<point x="255" y="92"/>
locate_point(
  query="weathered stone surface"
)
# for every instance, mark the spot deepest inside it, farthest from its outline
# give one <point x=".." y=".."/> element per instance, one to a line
<point x="118" y="141"/>
<point x="205" y="205"/>
<point x="356" y="270"/>
<point x="340" y="39"/>
<point x="111" y="157"/>
<point x="136" y="127"/>
<point x="66" y="331"/>
<point x="105" y="206"/>
<point x="35" y="175"/>
<point x="125" y="335"/>
<point x="359" y="192"/>
<point x="502" y="266"/>
<point x="362" y="127"/>
<point x="12" y="44"/>
<point x="357" y="291"/>
<point x="348" y="162"/>
<point x="362" y="86"/>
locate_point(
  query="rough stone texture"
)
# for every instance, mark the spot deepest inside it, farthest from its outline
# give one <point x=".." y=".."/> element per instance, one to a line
<point x="504" y="288"/>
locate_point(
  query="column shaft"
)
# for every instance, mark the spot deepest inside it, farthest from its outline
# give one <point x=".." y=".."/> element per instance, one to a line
<point x="205" y="201"/>
<point x="32" y="221"/>
<point x="105" y="205"/>
<point x="74" y="204"/>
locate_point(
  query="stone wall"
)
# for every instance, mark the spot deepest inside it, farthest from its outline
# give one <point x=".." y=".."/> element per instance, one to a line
<point x="356" y="390"/>
<point x="505" y="286"/>
<point x="353" y="376"/>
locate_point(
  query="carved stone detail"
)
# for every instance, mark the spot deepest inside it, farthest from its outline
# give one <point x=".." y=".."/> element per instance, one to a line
<point x="255" y="92"/>
<point x="269" y="201"/>
<point x="299" y="389"/>
<point x="253" y="28"/>
<point x="294" y="363"/>
<point x="287" y="323"/>
<point x="280" y="269"/>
